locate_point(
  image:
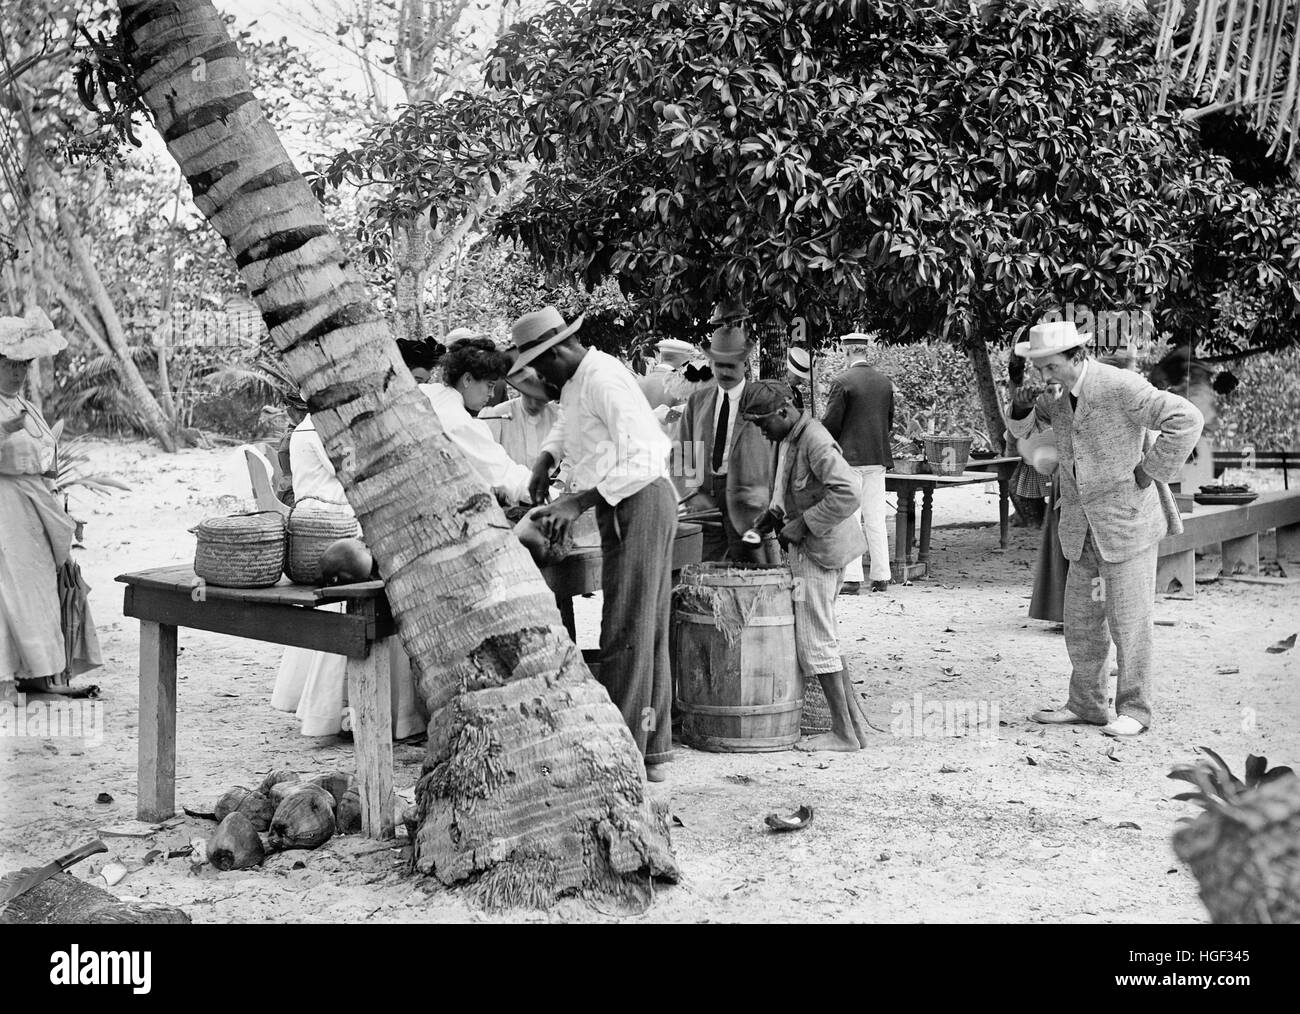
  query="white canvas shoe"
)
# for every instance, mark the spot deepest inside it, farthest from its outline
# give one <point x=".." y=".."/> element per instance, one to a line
<point x="1124" y="725"/>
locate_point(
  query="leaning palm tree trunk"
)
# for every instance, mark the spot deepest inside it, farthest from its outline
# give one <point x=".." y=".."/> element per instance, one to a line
<point x="532" y="782"/>
<point x="1237" y="55"/>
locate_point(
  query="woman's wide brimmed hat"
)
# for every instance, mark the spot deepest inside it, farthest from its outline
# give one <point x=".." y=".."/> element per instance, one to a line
<point x="29" y="337"/>
<point x="534" y="333"/>
<point x="728" y="345"/>
<point x="1051" y="339"/>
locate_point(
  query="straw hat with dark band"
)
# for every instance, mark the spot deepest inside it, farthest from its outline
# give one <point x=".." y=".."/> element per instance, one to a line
<point x="534" y="333"/>
<point x="799" y="363"/>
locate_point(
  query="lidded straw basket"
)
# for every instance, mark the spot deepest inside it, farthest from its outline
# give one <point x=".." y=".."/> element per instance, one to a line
<point x="241" y="551"/>
<point x="314" y="523"/>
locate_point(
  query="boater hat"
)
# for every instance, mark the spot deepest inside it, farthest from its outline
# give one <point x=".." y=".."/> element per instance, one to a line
<point x="799" y="363"/>
<point x="29" y="337"/>
<point x="675" y="352"/>
<point x="534" y="333"/>
<point x="728" y="345"/>
<point x="1051" y="339"/>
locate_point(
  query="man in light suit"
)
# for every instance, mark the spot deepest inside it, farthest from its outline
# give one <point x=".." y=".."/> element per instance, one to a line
<point x="723" y="460"/>
<point x="1115" y="509"/>
<point x="814" y="508"/>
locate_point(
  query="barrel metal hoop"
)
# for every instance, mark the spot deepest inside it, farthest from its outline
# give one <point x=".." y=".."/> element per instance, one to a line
<point x="786" y="620"/>
<point x="740" y="710"/>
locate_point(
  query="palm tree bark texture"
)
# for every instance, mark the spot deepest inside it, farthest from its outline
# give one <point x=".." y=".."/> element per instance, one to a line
<point x="532" y="785"/>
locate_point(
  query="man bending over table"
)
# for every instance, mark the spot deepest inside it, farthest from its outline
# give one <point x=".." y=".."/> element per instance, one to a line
<point x="618" y="460"/>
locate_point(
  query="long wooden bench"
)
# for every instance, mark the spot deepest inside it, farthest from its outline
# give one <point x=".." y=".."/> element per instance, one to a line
<point x="1237" y="529"/>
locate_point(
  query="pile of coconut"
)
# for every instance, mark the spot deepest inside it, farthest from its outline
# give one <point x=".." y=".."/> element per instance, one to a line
<point x="284" y="812"/>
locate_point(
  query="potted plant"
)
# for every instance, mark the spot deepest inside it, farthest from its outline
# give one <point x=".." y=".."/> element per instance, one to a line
<point x="905" y="449"/>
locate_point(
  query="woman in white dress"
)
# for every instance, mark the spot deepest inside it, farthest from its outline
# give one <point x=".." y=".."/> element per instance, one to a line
<point x="470" y="370"/>
<point x="313" y="684"/>
<point x="35" y="532"/>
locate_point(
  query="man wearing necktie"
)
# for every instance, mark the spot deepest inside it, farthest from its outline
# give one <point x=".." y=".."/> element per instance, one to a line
<point x="1115" y="509"/>
<point x="723" y="460"/>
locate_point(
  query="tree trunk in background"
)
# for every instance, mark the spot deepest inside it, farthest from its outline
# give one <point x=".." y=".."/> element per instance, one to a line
<point x="136" y="387"/>
<point x="977" y="352"/>
<point x="532" y="782"/>
<point x="411" y="254"/>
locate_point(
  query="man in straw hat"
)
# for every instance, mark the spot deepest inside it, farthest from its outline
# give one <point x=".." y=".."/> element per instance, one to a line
<point x="1115" y="509"/>
<point x="798" y="374"/>
<point x="618" y="459"/>
<point x="673" y="355"/>
<point x="814" y="502"/>
<point x="859" y="415"/>
<point x="724" y="461"/>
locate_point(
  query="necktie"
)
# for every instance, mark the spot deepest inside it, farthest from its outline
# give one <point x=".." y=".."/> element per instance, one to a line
<point x="720" y="437"/>
<point x="1074" y="402"/>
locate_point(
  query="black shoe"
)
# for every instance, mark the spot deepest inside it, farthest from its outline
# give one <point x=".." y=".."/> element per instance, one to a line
<point x="879" y="586"/>
<point x="849" y="588"/>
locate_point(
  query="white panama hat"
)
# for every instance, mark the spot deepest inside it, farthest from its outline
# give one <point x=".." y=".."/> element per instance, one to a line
<point x="1051" y="339"/>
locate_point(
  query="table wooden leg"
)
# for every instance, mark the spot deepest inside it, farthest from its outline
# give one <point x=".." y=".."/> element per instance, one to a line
<point x="1004" y="499"/>
<point x="370" y="697"/>
<point x="902" y="532"/>
<point x="1288" y="542"/>
<point x="156" y="761"/>
<point x="1241" y="556"/>
<point x="1180" y="567"/>
<point x="927" y="515"/>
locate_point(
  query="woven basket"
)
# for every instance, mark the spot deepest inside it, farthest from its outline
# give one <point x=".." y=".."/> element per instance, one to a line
<point x="314" y="524"/>
<point x="816" y="717"/>
<point x="241" y="551"/>
<point x="947" y="455"/>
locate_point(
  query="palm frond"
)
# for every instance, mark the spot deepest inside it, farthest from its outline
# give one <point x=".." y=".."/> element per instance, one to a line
<point x="1233" y="54"/>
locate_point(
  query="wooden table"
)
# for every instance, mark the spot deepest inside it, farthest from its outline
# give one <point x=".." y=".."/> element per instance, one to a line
<point x="167" y="598"/>
<point x="907" y="486"/>
<point x="1004" y="468"/>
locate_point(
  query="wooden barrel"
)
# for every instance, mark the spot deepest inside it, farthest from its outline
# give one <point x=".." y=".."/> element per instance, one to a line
<point x="738" y="684"/>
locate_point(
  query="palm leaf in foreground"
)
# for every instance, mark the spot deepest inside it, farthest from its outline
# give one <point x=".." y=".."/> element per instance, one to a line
<point x="1244" y="849"/>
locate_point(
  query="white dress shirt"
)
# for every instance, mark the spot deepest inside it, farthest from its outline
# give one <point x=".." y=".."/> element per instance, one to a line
<point x="733" y="420"/>
<point x="608" y="434"/>
<point x="521" y="435"/>
<point x="1078" y="383"/>
<point x="475" y="441"/>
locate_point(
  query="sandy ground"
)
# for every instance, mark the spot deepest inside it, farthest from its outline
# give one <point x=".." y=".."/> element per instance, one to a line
<point x="1014" y="822"/>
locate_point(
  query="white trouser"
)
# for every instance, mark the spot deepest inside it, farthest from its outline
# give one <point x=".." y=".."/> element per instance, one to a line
<point x="872" y="478"/>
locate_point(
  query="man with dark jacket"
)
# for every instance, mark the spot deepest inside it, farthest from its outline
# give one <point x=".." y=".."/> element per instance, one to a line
<point x="723" y="460"/>
<point x="859" y="415"/>
<point x="814" y="502"/>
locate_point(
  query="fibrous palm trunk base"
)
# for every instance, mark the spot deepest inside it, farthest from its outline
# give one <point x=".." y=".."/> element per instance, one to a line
<point x="1246" y="855"/>
<point x="532" y="785"/>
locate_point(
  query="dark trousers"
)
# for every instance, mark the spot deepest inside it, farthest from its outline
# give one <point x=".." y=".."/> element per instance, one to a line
<point x="636" y="538"/>
<point x="724" y="542"/>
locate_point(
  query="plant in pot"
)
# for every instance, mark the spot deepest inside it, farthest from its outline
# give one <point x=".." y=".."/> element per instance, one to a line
<point x="905" y="445"/>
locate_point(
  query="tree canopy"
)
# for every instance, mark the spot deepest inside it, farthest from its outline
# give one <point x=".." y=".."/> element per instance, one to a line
<point x="926" y="168"/>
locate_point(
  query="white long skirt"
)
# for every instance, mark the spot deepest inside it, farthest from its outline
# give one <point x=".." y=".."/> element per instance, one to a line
<point x="313" y="685"/>
<point x="31" y="632"/>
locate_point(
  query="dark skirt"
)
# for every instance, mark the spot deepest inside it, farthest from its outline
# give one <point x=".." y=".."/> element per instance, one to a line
<point x="1048" y="602"/>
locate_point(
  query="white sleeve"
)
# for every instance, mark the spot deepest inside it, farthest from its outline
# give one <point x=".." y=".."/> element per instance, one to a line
<point x="489" y="458"/>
